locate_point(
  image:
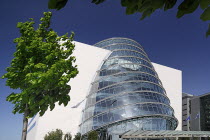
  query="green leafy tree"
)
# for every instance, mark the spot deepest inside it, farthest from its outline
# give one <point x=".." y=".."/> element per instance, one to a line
<point x="184" y="138"/>
<point x="93" y="135"/>
<point x="196" y="138"/>
<point x="67" y="136"/>
<point x="77" y="136"/>
<point x="54" y="135"/>
<point x="147" y="7"/>
<point x="41" y="69"/>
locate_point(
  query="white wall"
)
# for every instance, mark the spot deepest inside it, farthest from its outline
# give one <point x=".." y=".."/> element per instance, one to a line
<point x="172" y="82"/>
<point x="32" y="127"/>
<point x="89" y="59"/>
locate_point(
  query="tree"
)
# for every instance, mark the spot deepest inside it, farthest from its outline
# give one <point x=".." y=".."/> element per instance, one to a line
<point x="67" y="136"/>
<point x="93" y="135"/>
<point x="147" y="7"/>
<point x="54" y="135"/>
<point x="184" y="138"/>
<point x="41" y="69"/>
<point x="77" y="136"/>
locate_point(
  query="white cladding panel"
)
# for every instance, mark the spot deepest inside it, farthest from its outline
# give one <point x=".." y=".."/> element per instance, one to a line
<point x="88" y="59"/>
<point x="32" y="127"/>
<point x="172" y="82"/>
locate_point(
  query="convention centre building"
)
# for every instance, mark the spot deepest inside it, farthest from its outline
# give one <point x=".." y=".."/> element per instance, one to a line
<point x="117" y="89"/>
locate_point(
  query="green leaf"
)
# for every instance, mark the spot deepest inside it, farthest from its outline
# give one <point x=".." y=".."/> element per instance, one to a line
<point x="12" y="97"/>
<point x="146" y="13"/>
<point x="19" y="24"/>
<point x="39" y="68"/>
<point x="145" y="6"/>
<point x="205" y="15"/>
<point x="97" y="1"/>
<point x="208" y="31"/>
<point x="156" y="4"/>
<point x="130" y="10"/>
<point x="169" y="4"/>
<point x="204" y="4"/>
<point x="186" y="7"/>
<point x="180" y="13"/>
<point x="56" y="4"/>
<point x="52" y="4"/>
<point x="42" y="102"/>
<point x="52" y="106"/>
<point x="124" y="3"/>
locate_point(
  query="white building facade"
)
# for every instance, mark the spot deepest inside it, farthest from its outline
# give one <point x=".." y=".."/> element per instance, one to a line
<point x="89" y="60"/>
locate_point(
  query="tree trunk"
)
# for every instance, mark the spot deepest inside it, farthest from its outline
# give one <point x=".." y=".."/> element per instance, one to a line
<point x="25" y="124"/>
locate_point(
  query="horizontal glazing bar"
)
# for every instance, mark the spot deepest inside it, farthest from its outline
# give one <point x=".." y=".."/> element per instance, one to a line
<point x="88" y="103"/>
<point x="124" y="88"/>
<point x="117" y="101"/>
<point x="126" y="59"/>
<point x="128" y="67"/>
<point x="138" y="125"/>
<point x="101" y="78"/>
<point x="124" y="46"/>
<point x="116" y="40"/>
<point x="131" y="81"/>
<point x="114" y="79"/>
<point x="130" y="110"/>
<point x="88" y="126"/>
<point x="125" y="52"/>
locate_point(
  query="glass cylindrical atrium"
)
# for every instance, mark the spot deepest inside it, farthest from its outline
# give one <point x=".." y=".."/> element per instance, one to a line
<point x="127" y="93"/>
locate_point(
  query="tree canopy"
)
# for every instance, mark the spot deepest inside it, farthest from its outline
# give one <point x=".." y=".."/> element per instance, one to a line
<point x="77" y="136"/>
<point x="67" y="136"/>
<point x="54" y="135"/>
<point x="93" y="135"/>
<point x="41" y="68"/>
<point x="147" y="7"/>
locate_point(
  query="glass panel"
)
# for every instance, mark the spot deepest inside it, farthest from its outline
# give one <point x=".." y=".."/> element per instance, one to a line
<point x="132" y="111"/>
<point x="116" y="78"/>
<point x="128" y="53"/>
<point x="117" y="40"/>
<point x="127" y="87"/>
<point x="126" y="68"/>
<point x="124" y="46"/>
<point x="125" y="59"/>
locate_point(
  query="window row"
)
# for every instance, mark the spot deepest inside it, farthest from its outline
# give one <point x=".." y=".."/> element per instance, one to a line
<point x="124" y="46"/>
<point x="125" y="99"/>
<point x="146" y="109"/>
<point x="115" y="41"/>
<point x="114" y="79"/>
<point x="127" y="112"/>
<point x="127" y="53"/>
<point x="154" y="124"/>
<point x="124" y="88"/>
<point x="125" y="68"/>
<point x="122" y="60"/>
<point x="144" y="124"/>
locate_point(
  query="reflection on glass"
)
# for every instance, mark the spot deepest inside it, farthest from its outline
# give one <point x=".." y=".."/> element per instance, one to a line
<point x="127" y="92"/>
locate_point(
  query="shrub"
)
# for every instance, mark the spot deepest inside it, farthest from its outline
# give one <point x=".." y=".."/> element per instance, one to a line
<point x="93" y="135"/>
<point x="68" y="136"/>
<point x="77" y="136"/>
<point x="54" y="135"/>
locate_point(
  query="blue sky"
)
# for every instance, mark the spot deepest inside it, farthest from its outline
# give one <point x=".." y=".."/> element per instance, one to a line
<point x="177" y="43"/>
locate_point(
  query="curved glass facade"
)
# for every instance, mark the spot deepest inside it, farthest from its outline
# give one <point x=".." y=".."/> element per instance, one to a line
<point x="127" y="93"/>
